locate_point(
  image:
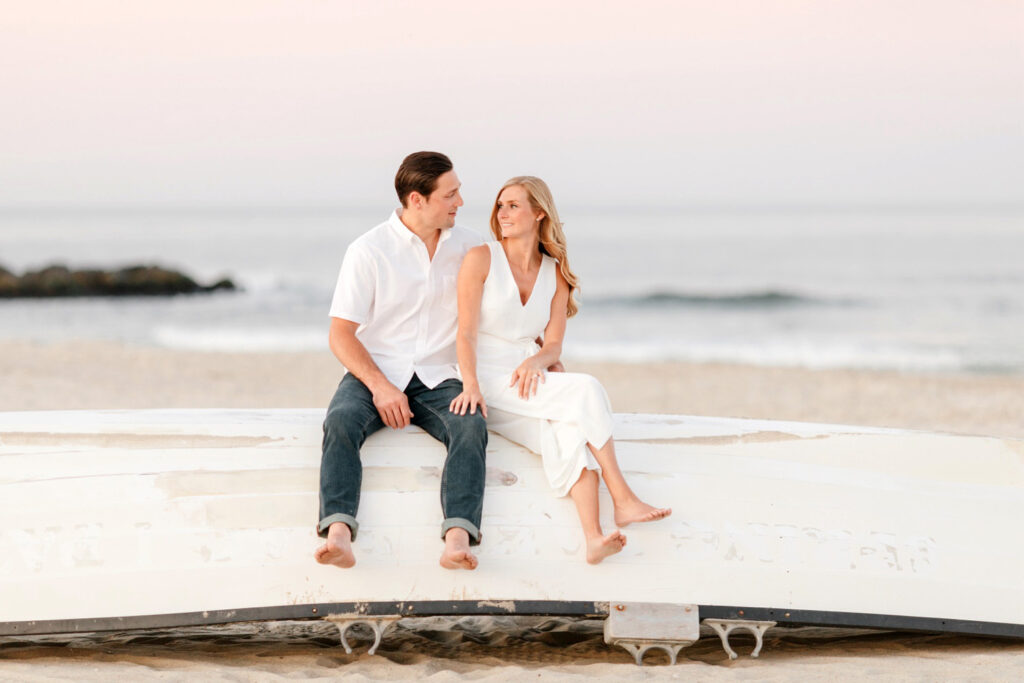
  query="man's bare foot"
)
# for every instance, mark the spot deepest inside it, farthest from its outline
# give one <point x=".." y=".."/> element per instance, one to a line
<point x="338" y="548"/>
<point x="456" y="553"/>
<point x="600" y="547"/>
<point x="638" y="511"/>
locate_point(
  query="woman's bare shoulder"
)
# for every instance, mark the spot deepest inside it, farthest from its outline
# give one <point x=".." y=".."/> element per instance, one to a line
<point x="477" y="260"/>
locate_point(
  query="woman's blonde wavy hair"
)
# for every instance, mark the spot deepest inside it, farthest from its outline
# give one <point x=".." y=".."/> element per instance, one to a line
<point x="552" y="238"/>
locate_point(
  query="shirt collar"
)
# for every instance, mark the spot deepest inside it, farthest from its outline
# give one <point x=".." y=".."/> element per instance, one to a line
<point x="408" y="235"/>
<point x="398" y="226"/>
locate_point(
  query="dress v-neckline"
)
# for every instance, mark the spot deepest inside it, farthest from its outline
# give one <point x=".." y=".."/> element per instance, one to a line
<point x="519" y="296"/>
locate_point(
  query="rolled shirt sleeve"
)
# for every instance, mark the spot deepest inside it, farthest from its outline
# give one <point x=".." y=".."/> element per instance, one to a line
<point x="354" y="291"/>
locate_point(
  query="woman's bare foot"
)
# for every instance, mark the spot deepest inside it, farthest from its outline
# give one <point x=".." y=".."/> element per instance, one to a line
<point x="600" y="547"/>
<point x="338" y="548"/>
<point x="638" y="511"/>
<point x="456" y="553"/>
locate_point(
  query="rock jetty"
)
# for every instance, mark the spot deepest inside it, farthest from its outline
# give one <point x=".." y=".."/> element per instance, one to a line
<point x="61" y="281"/>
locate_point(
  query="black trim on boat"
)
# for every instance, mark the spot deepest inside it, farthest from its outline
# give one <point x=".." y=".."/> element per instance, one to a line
<point x="422" y="608"/>
<point x="426" y="608"/>
<point x="888" y="622"/>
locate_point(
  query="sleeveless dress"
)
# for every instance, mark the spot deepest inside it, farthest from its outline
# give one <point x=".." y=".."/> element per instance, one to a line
<point x="569" y="410"/>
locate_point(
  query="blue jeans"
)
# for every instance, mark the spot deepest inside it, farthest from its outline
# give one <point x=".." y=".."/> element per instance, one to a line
<point x="351" y="417"/>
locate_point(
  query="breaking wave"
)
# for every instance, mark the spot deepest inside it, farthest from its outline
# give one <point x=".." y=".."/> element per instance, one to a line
<point x="770" y="298"/>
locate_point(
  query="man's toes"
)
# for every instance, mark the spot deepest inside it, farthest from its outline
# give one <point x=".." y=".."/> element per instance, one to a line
<point x="458" y="560"/>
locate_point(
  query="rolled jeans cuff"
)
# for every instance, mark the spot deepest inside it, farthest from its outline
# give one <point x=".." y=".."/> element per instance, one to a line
<point x="471" y="529"/>
<point x="326" y="522"/>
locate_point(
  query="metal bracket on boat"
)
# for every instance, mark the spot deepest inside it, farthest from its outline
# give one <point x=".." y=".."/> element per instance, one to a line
<point x="641" y="626"/>
<point x="723" y="627"/>
<point x="378" y="624"/>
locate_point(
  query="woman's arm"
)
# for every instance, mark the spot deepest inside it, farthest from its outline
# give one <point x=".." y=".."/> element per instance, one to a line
<point x="472" y="275"/>
<point x="531" y="372"/>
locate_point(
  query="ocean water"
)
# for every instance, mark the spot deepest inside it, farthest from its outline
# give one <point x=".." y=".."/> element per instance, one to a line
<point x="907" y="290"/>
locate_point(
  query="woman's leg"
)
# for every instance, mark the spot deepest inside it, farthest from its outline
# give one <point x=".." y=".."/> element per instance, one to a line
<point x="628" y="507"/>
<point x="584" y="494"/>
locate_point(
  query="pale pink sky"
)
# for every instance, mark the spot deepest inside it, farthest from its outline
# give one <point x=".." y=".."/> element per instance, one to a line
<point x="316" y="102"/>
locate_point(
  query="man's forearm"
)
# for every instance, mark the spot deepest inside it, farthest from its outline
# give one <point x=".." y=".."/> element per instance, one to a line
<point x="357" y="360"/>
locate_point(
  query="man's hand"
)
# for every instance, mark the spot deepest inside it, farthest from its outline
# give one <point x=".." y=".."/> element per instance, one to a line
<point x="393" y="406"/>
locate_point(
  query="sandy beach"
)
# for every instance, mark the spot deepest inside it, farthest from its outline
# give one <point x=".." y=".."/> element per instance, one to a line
<point x="91" y="375"/>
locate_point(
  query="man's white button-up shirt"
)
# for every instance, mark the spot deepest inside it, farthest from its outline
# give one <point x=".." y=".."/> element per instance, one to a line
<point x="404" y="302"/>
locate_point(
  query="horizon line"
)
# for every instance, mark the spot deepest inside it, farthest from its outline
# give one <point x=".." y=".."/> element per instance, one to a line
<point x="689" y="207"/>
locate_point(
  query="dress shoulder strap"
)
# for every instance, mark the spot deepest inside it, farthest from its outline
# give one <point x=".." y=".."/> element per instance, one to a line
<point x="547" y="281"/>
<point x="496" y="254"/>
<point x="551" y="265"/>
<point x="498" y="274"/>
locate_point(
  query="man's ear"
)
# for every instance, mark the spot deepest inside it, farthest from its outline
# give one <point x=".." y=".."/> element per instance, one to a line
<point x="416" y="200"/>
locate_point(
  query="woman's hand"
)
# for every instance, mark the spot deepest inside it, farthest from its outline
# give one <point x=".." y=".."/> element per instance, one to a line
<point x="529" y="375"/>
<point x="469" y="399"/>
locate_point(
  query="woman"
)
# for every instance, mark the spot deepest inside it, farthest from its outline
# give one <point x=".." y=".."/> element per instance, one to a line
<point x="511" y="293"/>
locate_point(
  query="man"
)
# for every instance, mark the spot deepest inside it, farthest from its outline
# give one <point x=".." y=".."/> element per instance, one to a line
<point x="393" y="324"/>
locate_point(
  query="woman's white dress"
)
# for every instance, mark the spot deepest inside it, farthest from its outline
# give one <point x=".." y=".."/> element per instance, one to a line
<point x="569" y="410"/>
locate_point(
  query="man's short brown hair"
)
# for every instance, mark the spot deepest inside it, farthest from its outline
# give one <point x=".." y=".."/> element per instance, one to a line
<point x="419" y="173"/>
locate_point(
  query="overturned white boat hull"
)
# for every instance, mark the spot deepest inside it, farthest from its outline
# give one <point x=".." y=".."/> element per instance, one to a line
<point x="120" y="519"/>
